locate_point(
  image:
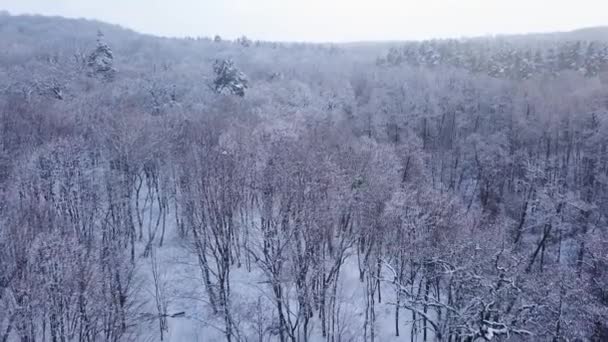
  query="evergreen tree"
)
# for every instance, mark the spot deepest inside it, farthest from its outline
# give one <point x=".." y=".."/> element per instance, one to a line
<point x="538" y="64"/>
<point x="244" y="41"/>
<point x="394" y="57"/>
<point x="229" y="78"/>
<point x="526" y="65"/>
<point x="592" y="60"/>
<point x="552" y="62"/>
<point x="101" y="60"/>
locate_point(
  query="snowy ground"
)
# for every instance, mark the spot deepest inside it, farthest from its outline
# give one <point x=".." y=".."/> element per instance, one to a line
<point x="250" y="301"/>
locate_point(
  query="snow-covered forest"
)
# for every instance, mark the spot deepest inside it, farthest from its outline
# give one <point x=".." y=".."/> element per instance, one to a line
<point x="203" y="189"/>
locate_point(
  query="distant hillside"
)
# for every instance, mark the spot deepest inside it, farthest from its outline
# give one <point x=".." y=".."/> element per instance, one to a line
<point x="591" y="33"/>
<point x="52" y="29"/>
<point x="511" y="56"/>
<point x="28" y="38"/>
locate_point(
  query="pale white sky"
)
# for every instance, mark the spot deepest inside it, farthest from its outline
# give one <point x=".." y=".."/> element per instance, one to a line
<point x="329" y="20"/>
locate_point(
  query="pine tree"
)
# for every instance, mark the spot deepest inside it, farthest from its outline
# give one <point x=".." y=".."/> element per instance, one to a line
<point x="101" y="60"/>
<point x="592" y="60"/>
<point x="526" y="65"/>
<point x="538" y="65"/>
<point x="552" y="62"/>
<point x="229" y="78"/>
<point x="244" y="41"/>
<point x="394" y="57"/>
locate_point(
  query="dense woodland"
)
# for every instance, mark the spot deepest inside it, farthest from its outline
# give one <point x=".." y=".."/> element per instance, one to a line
<point x="466" y="182"/>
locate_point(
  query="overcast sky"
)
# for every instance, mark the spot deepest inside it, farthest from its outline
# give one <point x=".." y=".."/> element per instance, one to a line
<point x="329" y="20"/>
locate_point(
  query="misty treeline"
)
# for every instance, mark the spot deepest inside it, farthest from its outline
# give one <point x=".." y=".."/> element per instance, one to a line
<point x="474" y="206"/>
<point x="518" y="59"/>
